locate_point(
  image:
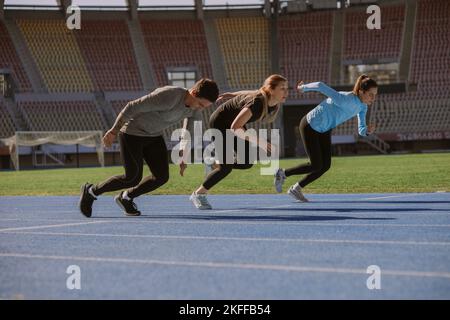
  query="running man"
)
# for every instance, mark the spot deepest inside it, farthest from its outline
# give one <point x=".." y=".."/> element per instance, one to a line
<point x="245" y="107"/>
<point x="316" y="126"/>
<point x="139" y="128"/>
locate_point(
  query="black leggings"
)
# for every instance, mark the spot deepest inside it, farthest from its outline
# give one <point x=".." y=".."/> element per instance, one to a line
<point x="224" y="168"/>
<point x="133" y="150"/>
<point x="318" y="148"/>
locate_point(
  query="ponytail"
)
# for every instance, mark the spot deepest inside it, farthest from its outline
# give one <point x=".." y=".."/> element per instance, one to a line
<point x="364" y="83"/>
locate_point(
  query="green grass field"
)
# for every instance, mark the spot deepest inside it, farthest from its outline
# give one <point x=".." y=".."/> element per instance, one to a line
<point x="362" y="174"/>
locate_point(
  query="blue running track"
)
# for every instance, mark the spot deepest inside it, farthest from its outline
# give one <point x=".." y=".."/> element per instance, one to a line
<point x="248" y="247"/>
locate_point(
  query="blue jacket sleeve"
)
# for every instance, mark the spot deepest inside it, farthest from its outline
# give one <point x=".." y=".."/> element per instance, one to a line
<point x="338" y="98"/>
<point x="362" y="127"/>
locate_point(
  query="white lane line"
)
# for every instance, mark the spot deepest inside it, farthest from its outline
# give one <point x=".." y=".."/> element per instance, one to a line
<point x="225" y="265"/>
<point x="52" y="226"/>
<point x="309" y="211"/>
<point x="295" y="212"/>
<point x="243" y="210"/>
<point x="304" y="224"/>
<point x="298" y="211"/>
<point x="287" y="223"/>
<point x="397" y="196"/>
<point x="209" y="238"/>
<point x="38" y="219"/>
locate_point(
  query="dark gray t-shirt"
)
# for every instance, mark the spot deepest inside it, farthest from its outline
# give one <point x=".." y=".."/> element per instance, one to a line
<point x="149" y="115"/>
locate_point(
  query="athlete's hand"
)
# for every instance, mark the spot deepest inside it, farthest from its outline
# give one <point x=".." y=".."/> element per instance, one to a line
<point x="183" y="164"/>
<point x="271" y="148"/>
<point x="298" y="86"/>
<point x="371" y="128"/>
<point x="183" y="167"/>
<point x="266" y="146"/>
<point x="109" y="138"/>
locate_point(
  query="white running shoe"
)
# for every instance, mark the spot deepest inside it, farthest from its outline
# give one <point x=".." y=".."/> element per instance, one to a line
<point x="279" y="180"/>
<point x="200" y="201"/>
<point x="295" y="192"/>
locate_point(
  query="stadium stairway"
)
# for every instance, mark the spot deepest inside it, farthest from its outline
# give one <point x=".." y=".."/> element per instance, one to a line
<point x="407" y="39"/>
<point x="336" y="47"/>
<point x="375" y="142"/>
<point x="215" y="54"/>
<point x="18" y="119"/>
<point x="104" y="108"/>
<point x="142" y="57"/>
<point x="29" y="64"/>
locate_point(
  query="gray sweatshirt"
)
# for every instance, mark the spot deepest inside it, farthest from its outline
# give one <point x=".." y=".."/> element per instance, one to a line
<point x="149" y="115"/>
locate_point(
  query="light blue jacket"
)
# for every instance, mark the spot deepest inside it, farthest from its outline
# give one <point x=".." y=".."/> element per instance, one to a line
<point x="338" y="108"/>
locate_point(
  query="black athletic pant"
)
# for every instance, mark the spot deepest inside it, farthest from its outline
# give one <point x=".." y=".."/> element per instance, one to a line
<point x="318" y="148"/>
<point x="133" y="150"/>
<point x="224" y="168"/>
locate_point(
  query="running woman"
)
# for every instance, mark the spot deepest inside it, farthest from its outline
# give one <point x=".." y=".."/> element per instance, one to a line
<point x="316" y="126"/>
<point x="139" y="128"/>
<point x="245" y="107"/>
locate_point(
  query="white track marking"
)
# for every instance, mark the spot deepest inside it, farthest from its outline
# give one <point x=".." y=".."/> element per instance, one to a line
<point x="209" y="238"/>
<point x="52" y="226"/>
<point x="262" y="208"/>
<point x="397" y="196"/>
<point x="225" y="265"/>
<point x="287" y="223"/>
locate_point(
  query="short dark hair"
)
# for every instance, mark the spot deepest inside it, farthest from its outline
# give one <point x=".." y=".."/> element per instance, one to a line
<point x="206" y="88"/>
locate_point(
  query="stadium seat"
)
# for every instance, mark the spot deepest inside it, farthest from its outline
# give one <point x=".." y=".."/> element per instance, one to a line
<point x="9" y="59"/>
<point x="244" y="43"/>
<point x="108" y="51"/>
<point x="305" y="45"/>
<point x="57" y="55"/>
<point x="62" y="116"/>
<point x="176" y="43"/>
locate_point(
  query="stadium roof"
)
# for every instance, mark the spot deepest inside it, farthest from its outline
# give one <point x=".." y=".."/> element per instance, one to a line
<point x="124" y="2"/>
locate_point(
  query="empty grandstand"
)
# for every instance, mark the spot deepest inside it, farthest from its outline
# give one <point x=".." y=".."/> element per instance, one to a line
<point x="57" y="79"/>
<point x="10" y="62"/>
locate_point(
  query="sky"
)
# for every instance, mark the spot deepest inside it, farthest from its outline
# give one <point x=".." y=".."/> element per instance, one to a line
<point x="141" y="2"/>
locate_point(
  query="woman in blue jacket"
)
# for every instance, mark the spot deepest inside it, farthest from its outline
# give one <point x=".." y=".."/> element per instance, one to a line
<point x="316" y="126"/>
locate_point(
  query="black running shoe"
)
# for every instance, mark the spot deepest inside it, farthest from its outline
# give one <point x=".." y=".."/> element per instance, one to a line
<point x="86" y="200"/>
<point x="128" y="206"/>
